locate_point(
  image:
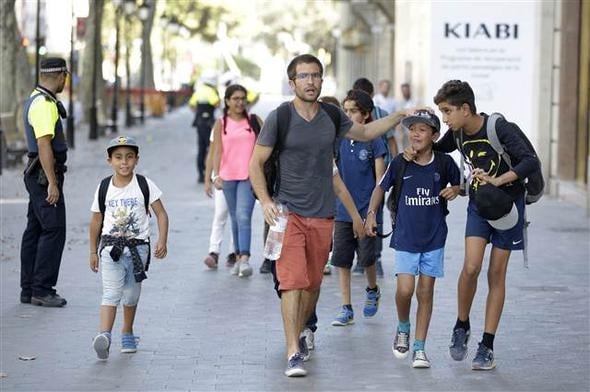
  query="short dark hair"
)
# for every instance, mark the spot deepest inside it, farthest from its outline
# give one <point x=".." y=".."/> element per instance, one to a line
<point x="362" y="100"/>
<point x="330" y="99"/>
<point x="302" y="59"/>
<point x="456" y="93"/>
<point x="365" y="85"/>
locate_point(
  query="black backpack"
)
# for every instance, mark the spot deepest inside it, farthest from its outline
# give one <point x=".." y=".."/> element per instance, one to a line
<point x="271" y="166"/>
<point x="393" y="198"/>
<point x="534" y="183"/>
<point x="104" y="187"/>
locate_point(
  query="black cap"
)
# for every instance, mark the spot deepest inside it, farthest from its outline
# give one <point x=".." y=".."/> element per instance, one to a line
<point x="496" y="206"/>
<point x="53" y="64"/>
<point x="362" y="99"/>
<point x="422" y="116"/>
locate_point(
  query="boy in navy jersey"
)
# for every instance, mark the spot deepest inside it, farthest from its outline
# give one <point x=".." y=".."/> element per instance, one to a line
<point x="420" y="228"/>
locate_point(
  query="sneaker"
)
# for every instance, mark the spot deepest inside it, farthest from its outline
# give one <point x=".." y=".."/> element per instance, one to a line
<point x="358" y="270"/>
<point x="379" y="268"/>
<point x="303" y="349"/>
<point x="265" y="268"/>
<point x="372" y="302"/>
<point x="49" y="300"/>
<point x="328" y="269"/>
<point x="458" y="346"/>
<point x="211" y="260"/>
<point x="420" y="360"/>
<point x="309" y="338"/>
<point x="25" y="298"/>
<point x="484" y="359"/>
<point x="231" y="259"/>
<point x="344" y="318"/>
<point x="401" y="345"/>
<point x="235" y="269"/>
<point x="128" y="343"/>
<point x="101" y="344"/>
<point x="244" y="269"/>
<point x="295" y="366"/>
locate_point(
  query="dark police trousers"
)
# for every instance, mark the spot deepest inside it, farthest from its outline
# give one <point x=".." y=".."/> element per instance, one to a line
<point x="203" y="134"/>
<point x="43" y="240"/>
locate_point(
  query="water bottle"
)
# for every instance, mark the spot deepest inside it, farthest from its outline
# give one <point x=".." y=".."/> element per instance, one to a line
<point x="276" y="233"/>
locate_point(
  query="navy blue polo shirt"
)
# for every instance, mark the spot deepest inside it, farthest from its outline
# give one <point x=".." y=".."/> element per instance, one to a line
<point x="420" y="222"/>
<point x="356" y="165"/>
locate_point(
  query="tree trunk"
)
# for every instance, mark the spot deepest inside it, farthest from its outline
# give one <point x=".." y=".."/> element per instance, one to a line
<point x="17" y="81"/>
<point x="93" y="26"/>
<point x="147" y="56"/>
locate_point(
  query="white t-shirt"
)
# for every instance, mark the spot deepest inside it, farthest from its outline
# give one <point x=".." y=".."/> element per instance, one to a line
<point x="125" y="214"/>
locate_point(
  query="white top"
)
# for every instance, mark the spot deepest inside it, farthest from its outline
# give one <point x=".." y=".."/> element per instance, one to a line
<point x="125" y="214"/>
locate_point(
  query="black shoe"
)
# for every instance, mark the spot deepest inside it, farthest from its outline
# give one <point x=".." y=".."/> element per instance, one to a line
<point x="25" y="298"/>
<point x="231" y="259"/>
<point x="265" y="267"/>
<point x="201" y="179"/>
<point x="49" y="300"/>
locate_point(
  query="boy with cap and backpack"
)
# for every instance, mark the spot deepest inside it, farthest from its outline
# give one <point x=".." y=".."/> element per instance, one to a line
<point x="420" y="195"/>
<point x="501" y="158"/>
<point x="120" y="222"/>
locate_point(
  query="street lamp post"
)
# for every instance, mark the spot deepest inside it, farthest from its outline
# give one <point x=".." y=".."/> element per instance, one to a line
<point x="70" y="121"/>
<point x="129" y="7"/>
<point x="144" y="10"/>
<point x="93" y="131"/>
<point x="114" y="107"/>
<point x="37" y="41"/>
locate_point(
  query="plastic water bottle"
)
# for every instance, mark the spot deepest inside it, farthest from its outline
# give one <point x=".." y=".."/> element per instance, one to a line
<point x="276" y="233"/>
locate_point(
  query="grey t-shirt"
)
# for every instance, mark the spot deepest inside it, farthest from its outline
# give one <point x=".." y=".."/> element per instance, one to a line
<point x="305" y="161"/>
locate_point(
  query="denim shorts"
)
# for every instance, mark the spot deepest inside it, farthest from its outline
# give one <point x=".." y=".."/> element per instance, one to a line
<point x="118" y="281"/>
<point x="426" y="263"/>
<point x="511" y="239"/>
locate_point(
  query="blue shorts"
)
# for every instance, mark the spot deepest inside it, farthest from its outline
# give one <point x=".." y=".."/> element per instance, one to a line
<point x="477" y="226"/>
<point x="426" y="263"/>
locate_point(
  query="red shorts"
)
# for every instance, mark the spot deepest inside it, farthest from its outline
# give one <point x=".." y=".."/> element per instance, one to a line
<point x="306" y="247"/>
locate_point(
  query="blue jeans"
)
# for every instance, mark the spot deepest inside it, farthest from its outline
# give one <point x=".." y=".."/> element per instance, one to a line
<point x="240" y="203"/>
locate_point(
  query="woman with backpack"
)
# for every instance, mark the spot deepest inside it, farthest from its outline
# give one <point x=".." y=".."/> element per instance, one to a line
<point x="233" y="142"/>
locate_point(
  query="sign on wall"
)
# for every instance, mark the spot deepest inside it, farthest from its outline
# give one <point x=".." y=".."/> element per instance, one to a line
<point x="491" y="45"/>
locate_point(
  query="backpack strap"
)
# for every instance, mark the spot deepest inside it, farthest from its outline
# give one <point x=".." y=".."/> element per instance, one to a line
<point x="393" y="199"/>
<point x="458" y="136"/>
<point x="254" y="124"/>
<point x="495" y="140"/>
<point x="440" y="160"/>
<point x="145" y="190"/>
<point x="102" y="194"/>
<point x="283" y="122"/>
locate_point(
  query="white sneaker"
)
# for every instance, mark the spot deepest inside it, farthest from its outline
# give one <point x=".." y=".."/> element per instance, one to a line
<point x="101" y="344"/>
<point x="244" y="269"/>
<point x="309" y="338"/>
<point x="420" y="360"/>
<point x="235" y="270"/>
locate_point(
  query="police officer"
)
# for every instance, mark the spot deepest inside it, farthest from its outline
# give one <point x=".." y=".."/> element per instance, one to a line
<point x="44" y="237"/>
<point x="204" y="101"/>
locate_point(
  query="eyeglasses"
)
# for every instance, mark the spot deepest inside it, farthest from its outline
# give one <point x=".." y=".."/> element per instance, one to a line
<point x="306" y="75"/>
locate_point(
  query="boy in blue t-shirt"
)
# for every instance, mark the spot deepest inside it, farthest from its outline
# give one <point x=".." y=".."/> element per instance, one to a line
<point x="359" y="165"/>
<point x="420" y="228"/>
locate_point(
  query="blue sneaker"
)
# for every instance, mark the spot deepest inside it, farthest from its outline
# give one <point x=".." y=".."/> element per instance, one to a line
<point x="484" y="359"/>
<point x="458" y="346"/>
<point x="372" y="302"/>
<point x="128" y="343"/>
<point x="101" y="344"/>
<point x="295" y="366"/>
<point x="344" y="318"/>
